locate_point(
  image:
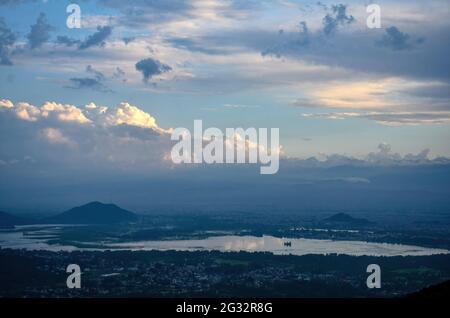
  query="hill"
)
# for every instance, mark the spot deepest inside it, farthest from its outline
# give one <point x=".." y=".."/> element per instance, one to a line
<point x="441" y="290"/>
<point x="9" y="220"/>
<point x="94" y="213"/>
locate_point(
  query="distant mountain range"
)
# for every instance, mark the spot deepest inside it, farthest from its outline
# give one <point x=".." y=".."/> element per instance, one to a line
<point x="345" y="219"/>
<point x="91" y="213"/>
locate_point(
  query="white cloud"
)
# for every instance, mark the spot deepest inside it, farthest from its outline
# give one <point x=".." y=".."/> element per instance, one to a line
<point x="86" y="138"/>
<point x="126" y="114"/>
<point x="6" y="103"/>
<point x="389" y="118"/>
<point x="123" y="114"/>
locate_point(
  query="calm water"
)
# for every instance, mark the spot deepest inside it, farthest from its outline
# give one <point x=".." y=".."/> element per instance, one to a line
<point x="37" y="239"/>
<point x="277" y="246"/>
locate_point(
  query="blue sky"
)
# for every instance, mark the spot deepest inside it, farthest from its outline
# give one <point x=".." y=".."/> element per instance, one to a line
<point x="248" y="63"/>
<point x="86" y="114"/>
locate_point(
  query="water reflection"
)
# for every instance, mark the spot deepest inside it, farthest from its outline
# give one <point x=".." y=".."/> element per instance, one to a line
<point x="38" y="239"/>
<point x="276" y="246"/>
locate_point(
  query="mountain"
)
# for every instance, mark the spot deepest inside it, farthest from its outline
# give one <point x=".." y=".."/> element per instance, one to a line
<point x="94" y="213"/>
<point x="345" y="219"/>
<point x="9" y="220"/>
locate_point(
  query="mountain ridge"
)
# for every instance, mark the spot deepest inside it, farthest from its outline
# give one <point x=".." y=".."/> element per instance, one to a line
<point x="9" y="220"/>
<point x="94" y="212"/>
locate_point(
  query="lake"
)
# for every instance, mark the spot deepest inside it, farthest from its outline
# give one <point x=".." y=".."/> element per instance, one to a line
<point x="37" y="239"/>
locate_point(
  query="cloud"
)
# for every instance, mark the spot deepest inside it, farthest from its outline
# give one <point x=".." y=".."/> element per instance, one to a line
<point x="40" y="32"/>
<point x="64" y="136"/>
<point x="126" y="114"/>
<point x="123" y="114"/>
<point x="194" y="46"/>
<point x="386" y="156"/>
<point x="142" y="13"/>
<point x="6" y="103"/>
<point x="389" y="118"/>
<point x="119" y="74"/>
<point x="390" y="94"/>
<point x="235" y="106"/>
<point x="87" y="82"/>
<point x="150" y="67"/>
<point x="7" y="39"/>
<point x="95" y="83"/>
<point x="337" y="17"/>
<point x="128" y="39"/>
<point x="396" y="40"/>
<point x="48" y="111"/>
<point x="290" y="41"/>
<point x="63" y="39"/>
<point x="97" y="74"/>
<point x="55" y="136"/>
<point x="96" y="39"/>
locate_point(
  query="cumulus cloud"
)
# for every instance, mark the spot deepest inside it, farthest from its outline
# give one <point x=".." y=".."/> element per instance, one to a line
<point x="6" y="103"/>
<point x="40" y="32"/>
<point x="96" y="39"/>
<point x="385" y="155"/>
<point x="150" y="67"/>
<point x="90" y="137"/>
<point x="48" y="111"/>
<point x="7" y="39"/>
<point x="126" y="114"/>
<point x="123" y="114"/>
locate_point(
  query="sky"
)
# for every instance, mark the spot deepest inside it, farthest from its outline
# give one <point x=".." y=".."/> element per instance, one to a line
<point x="104" y="97"/>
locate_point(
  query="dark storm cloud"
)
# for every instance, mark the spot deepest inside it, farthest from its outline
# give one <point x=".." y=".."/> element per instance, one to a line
<point x="338" y="16"/>
<point x="397" y="40"/>
<point x="150" y="67"/>
<point x="98" y="38"/>
<point x="40" y="32"/>
<point x="7" y="38"/>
